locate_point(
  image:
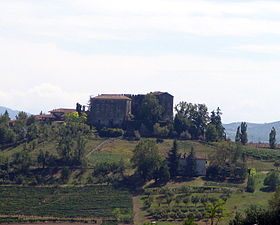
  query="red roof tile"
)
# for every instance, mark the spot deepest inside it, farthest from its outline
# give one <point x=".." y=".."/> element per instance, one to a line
<point x="112" y="96"/>
<point x="62" y="110"/>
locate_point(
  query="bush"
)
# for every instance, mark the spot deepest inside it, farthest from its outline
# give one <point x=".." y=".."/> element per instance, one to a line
<point x="272" y="180"/>
<point x="251" y="184"/>
<point x="111" y="132"/>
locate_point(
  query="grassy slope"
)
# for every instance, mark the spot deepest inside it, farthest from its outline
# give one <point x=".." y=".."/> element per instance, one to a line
<point x="116" y="149"/>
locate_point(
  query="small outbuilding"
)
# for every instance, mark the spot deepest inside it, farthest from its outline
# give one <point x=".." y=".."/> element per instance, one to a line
<point x="200" y="164"/>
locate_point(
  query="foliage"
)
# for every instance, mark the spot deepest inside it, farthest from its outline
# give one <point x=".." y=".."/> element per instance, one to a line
<point x="160" y="131"/>
<point x="215" y="211"/>
<point x="251" y="184"/>
<point x="190" y="168"/>
<point x="243" y="133"/>
<point x="192" y="118"/>
<point x="111" y="132"/>
<point x="215" y="130"/>
<point x="272" y="180"/>
<point x="237" y="135"/>
<point x="150" y="111"/>
<point x="146" y="159"/>
<point x="173" y="160"/>
<point x="228" y="162"/>
<point x="75" y="117"/>
<point x="272" y="138"/>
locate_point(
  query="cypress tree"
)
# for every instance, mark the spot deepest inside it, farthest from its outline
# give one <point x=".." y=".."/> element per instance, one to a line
<point x="173" y="160"/>
<point x="237" y="136"/>
<point x="190" y="169"/>
<point x="243" y="133"/>
<point x="272" y="138"/>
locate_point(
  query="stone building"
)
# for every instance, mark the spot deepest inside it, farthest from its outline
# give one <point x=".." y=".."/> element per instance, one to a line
<point x="200" y="162"/>
<point x="114" y="110"/>
<point x="109" y="110"/>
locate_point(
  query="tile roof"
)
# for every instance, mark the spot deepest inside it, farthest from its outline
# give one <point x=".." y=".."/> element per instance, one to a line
<point x="43" y="116"/>
<point x="112" y="96"/>
<point x="62" y="110"/>
<point x="159" y="93"/>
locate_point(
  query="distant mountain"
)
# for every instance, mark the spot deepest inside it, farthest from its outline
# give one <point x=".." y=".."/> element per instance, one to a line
<point x="12" y="113"/>
<point x="256" y="132"/>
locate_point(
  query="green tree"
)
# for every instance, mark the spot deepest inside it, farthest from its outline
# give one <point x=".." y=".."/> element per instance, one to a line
<point x="146" y="159"/>
<point x="243" y="133"/>
<point x="251" y="184"/>
<point x="272" y="138"/>
<point x="81" y="148"/>
<point x="215" y="211"/>
<point x="43" y="158"/>
<point x="211" y="133"/>
<point x="216" y="120"/>
<point x="190" y="168"/>
<point x="151" y="111"/>
<point x="5" y="118"/>
<point x="192" y="118"/>
<point x="238" y="135"/>
<point x="272" y="180"/>
<point x="173" y="160"/>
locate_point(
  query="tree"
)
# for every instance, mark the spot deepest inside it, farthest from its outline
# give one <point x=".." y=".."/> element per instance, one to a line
<point x="216" y="121"/>
<point x="162" y="174"/>
<point x="43" y="158"/>
<point x="251" y="184"/>
<point x="151" y="111"/>
<point x="192" y="118"/>
<point x="274" y="202"/>
<point x="215" y="211"/>
<point x="80" y="151"/>
<point x="272" y="138"/>
<point x="190" y="168"/>
<point x="211" y="133"/>
<point x="237" y="135"/>
<point x="5" y="118"/>
<point x="243" y="133"/>
<point x="173" y="160"/>
<point x="146" y="159"/>
<point x="272" y="180"/>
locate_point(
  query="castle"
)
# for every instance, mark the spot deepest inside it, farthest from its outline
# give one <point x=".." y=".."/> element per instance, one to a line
<point x="115" y="110"/>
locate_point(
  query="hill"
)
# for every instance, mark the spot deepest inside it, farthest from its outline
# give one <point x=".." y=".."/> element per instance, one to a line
<point x="12" y="113"/>
<point x="256" y="132"/>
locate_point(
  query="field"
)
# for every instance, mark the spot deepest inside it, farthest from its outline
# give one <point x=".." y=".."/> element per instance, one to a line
<point x="175" y="201"/>
<point x="89" y="202"/>
<point x="66" y="202"/>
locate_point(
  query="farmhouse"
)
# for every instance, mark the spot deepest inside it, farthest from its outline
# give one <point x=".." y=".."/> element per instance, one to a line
<point x="200" y="163"/>
<point x="56" y="115"/>
<point x="114" y="110"/>
<point x="109" y="110"/>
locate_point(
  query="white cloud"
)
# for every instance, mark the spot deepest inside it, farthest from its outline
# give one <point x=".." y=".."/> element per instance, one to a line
<point x="266" y="49"/>
<point x="137" y="20"/>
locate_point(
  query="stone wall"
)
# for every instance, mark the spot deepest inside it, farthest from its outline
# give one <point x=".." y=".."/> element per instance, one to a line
<point x="109" y="112"/>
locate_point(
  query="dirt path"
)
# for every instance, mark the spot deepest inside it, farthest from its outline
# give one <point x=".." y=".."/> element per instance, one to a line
<point x="98" y="147"/>
<point x="137" y="218"/>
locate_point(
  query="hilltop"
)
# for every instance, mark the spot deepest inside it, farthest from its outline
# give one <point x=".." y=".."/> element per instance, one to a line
<point x="12" y="112"/>
<point x="257" y="132"/>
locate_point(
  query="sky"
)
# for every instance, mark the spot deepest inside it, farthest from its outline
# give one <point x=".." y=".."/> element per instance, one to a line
<point x="223" y="53"/>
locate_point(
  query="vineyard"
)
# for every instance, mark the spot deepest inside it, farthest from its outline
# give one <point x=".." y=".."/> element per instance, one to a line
<point x="262" y="153"/>
<point x="70" y="202"/>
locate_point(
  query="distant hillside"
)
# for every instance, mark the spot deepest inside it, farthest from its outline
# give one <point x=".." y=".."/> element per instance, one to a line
<point x="12" y="113"/>
<point x="256" y="132"/>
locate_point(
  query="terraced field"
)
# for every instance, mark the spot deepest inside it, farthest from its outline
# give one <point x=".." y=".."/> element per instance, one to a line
<point x="90" y="201"/>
